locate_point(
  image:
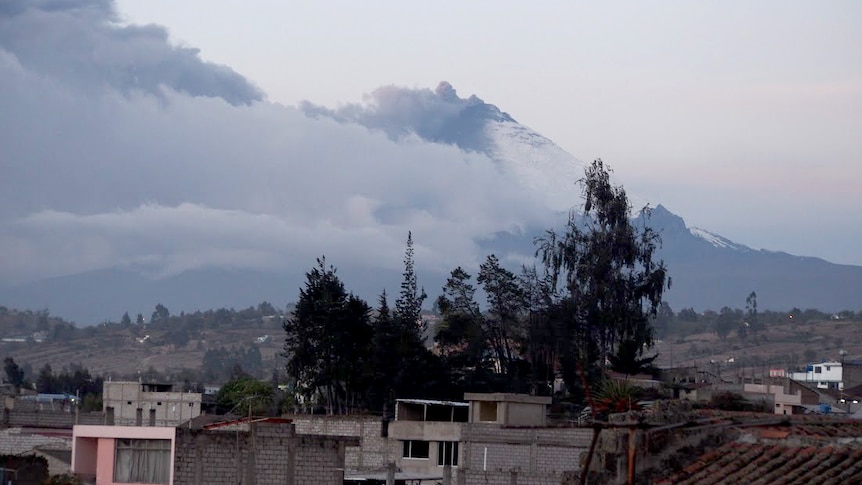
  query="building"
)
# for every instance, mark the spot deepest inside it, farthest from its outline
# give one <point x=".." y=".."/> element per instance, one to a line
<point x="428" y="434"/>
<point x="124" y="454"/>
<point x="147" y="404"/>
<point x="788" y="396"/>
<point x="825" y="375"/>
<point x="248" y="450"/>
<point x="488" y="438"/>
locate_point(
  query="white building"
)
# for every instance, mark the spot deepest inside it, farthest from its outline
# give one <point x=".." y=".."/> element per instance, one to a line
<point x="825" y="375"/>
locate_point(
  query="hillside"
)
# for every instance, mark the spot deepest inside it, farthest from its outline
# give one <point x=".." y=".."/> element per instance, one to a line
<point x="206" y="345"/>
<point x="784" y="344"/>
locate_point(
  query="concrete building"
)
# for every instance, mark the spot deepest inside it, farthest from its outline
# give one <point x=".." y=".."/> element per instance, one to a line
<point x="259" y="451"/>
<point x="825" y="375"/>
<point x="108" y="455"/>
<point x="507" y="409"/>
<point x="428" y="433"/>
<point x="147" y="404"/>
<point x="490" y="438"/>
<point x="787" y="395"/>
<point x="832" y="375"/>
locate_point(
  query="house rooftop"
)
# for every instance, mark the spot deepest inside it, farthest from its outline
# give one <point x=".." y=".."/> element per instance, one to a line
<point x="432" y="402"/>
<point x="801" y="450"/>
<point x="507" y="397"/>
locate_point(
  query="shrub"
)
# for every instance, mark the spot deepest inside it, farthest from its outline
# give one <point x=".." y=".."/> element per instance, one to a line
<point x="617" y="396"/>
<point x="64" y="479"/>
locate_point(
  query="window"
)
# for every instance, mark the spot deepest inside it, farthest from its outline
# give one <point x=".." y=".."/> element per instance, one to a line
<point x="142" y="461"/>
<point x="487" y="411"/>
<point x="416" y="449"/>
<point x="818" y="369"/>
<point x="447" y="453"/>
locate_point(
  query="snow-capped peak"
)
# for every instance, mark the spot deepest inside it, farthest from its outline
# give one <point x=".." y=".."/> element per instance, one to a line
<point x="716" y="240"/>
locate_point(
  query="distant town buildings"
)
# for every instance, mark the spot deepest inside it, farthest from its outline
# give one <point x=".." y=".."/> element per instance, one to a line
<point x="130" y="403"/>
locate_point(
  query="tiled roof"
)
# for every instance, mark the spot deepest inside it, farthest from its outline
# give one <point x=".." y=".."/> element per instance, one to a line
<point x="14" y="442"/>
<point x="765" y="464"/>
<point x="797" y="451"/>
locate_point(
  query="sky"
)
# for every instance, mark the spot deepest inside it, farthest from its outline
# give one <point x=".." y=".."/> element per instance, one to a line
<point x="166" y="136"/>
<point x="743" y="118"/>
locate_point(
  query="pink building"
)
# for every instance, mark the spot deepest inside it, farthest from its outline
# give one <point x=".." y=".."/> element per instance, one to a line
<point x="124" y="454"/>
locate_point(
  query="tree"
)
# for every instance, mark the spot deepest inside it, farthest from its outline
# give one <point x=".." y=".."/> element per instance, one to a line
<point x="14" y="374"/>
<point x="460" y="336"/>
<point x="727" y="321"/>
<point x="688" y="315"/>
<point x="605" y="265"/>
<point x="408" y="306"/>
<point x="45" y="381"/>
<point x="328" y="339"/>
<point x="126" y="321"/>
<point x="751" y="313"/>
<point x="244" y="394"/>
<point x="663" y="319"/>
<point x="503" y="323"/>
<point x="628" y="362"/>
<point x="543" y="332"/>
<point x="161" y="314"/>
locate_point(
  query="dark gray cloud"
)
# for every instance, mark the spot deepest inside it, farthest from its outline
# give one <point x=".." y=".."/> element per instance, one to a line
<point x="439" y="116"/>
<point x="81" y="42"/>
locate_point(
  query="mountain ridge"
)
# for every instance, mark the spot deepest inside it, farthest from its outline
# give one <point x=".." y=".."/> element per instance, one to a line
<point x="708" y="270"/>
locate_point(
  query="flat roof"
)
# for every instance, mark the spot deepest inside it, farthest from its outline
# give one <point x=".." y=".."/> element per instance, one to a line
<point x="507" y="397"/>
<point x="433" y="402"/>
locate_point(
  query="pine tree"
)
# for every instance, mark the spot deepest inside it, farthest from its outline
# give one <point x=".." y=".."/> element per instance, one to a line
<point x="408" y="307"/>
<point x="328" y="341"/>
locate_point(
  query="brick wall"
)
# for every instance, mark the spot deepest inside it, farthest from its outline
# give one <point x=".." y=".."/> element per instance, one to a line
<point x="270" y="454"/>
<point x="522" y="456"/>
<point x="374" y="450"/>
<point x="49" y="419"/>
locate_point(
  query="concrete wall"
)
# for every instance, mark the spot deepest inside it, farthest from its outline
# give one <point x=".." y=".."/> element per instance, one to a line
<point x="524" y="414"/>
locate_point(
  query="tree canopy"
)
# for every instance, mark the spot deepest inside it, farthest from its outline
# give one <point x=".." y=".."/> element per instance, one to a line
<point x="604" y="265"/>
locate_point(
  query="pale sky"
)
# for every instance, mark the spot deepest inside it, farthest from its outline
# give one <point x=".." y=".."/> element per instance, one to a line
<point x="745" y="118"/>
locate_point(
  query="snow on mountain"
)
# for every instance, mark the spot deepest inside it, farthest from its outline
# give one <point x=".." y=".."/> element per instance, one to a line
<point x="543" y="167"/>
<point x="540" y="164"/>
<point x="716" y="240"/>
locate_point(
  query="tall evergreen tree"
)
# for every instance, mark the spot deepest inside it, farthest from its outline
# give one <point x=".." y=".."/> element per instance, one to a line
<point x="14" y="373"/>
<point x="460" y="336"/>
<point x="408" y="306"/>
<point x="504" y="321"/>
<point x="328" y="341"/>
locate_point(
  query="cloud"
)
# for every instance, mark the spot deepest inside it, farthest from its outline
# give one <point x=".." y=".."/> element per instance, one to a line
<point x="174" y="174"/>
<point x="439" y="116"/>
<point x="82" y="42"/>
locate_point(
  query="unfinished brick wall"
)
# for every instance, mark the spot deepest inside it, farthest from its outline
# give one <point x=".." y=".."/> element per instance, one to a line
<point x="374" y="450"/>
<point x="269" y="454"/>
<point x="49" y="419"/>
<point x="522" y="456"/>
